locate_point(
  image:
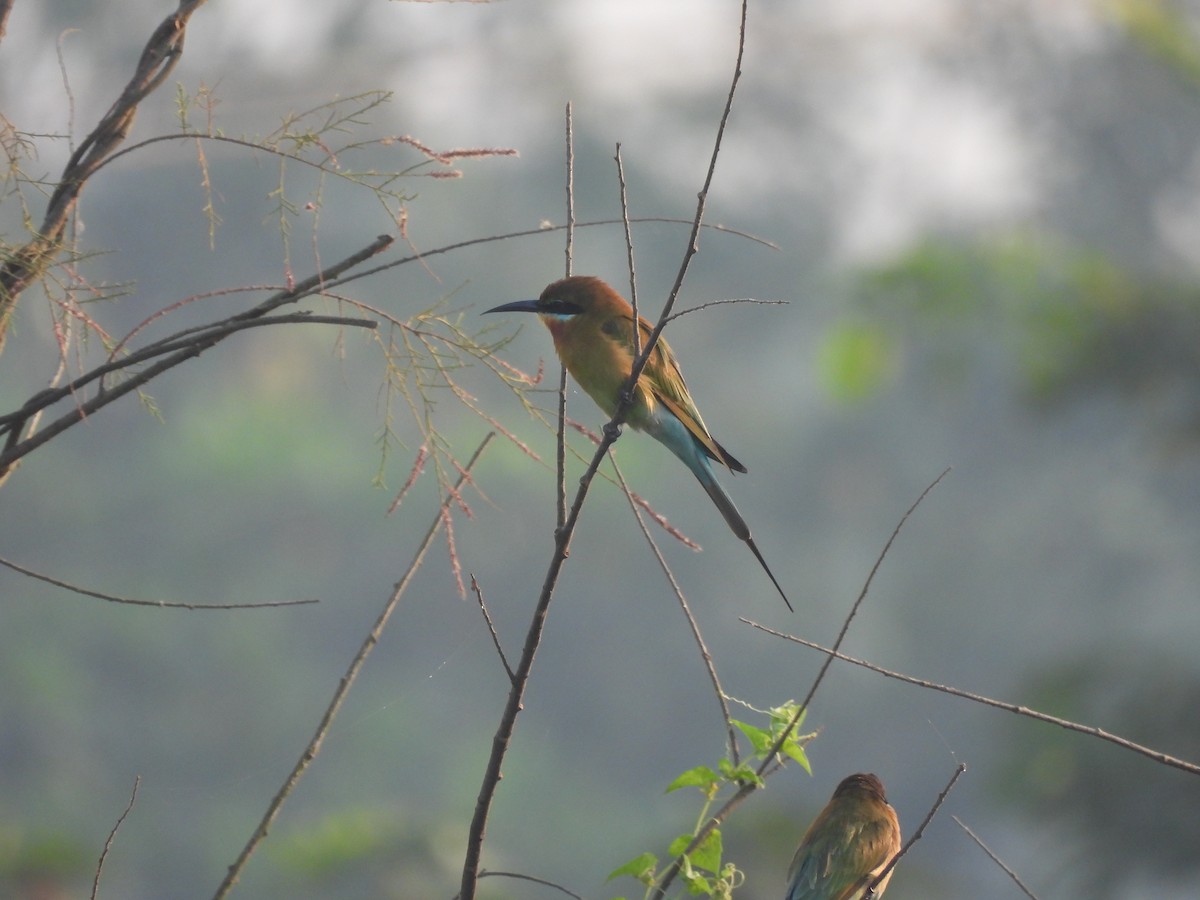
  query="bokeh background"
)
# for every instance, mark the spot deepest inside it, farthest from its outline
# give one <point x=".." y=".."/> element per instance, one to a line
<point x="987" y="217"/>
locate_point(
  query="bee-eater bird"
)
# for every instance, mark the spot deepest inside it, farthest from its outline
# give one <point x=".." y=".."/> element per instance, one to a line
<point x="847" y="845"/>
<point x="592" y="328"/>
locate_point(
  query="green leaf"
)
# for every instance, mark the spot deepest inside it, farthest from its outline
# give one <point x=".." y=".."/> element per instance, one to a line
<point x="695" y="882"/>
<point x="794" y="751"/>
<point x="744" y="774"/>
<point x="708" y="855"/>
<point x="680" y="844"/>
<point x="782" y="715"/>
<point x="759" y="739"/>
<point x="640" y="867"/>
<point x="702" y="777"/>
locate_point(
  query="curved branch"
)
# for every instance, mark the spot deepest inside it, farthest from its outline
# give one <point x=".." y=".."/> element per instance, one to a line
<point x="339" y="695"/>
<point x="170" y="352"/>
<point x="159" y="57"/>
<point x="883" y="873"/>
<point x="705" y="654"/>
<point x="161" y="604"/>
<point x="994" y="858"/>
<point x="562" y="537"/>
<point x="1156" y="755"/>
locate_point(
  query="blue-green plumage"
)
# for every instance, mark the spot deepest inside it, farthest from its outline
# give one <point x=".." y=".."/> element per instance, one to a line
<point x="592" y="327"/>
<point x="847" y="845"/>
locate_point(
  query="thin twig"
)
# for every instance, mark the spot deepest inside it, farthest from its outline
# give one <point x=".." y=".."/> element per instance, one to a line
<point x="640" y="363"/>
<point x="159" y="57"/>
<point x="693" y="245"/>
<point x="546" y="230"/>
<point x="112" y="836"/>
<point x="862" y="595"/>
<point x="687" y="612"/>
<point x="161" y="604"/>
<point x="533" y="637"/>
<point x="542" y="881"/>
<point x="560" y="435"/>
<point x="916" y="836"/>
<point x="994" y="858"/>
<point x="612" y="430"/>
<point x="769" y="765"/>
<point x="339" y="695"/>
<point x="1103" y="735"/>
<point x="173" y="350"/>
<point x="633" y="300"/>
<point x="714" y="822"/>
<point x="708" y="303"/>
<point x="564" y="528"/>
<point x="569" y="248"/>
<point x="487" y="617"/>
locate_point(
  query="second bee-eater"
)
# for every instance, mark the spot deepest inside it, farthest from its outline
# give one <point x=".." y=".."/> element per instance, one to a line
<point x="592" y="328"/>
<point x="847" y="845"/>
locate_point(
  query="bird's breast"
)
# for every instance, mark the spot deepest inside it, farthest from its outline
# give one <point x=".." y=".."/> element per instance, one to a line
<point x="598" y="363"/>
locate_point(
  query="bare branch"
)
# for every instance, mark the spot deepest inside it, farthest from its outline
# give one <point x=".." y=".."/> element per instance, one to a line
<point x="916" y="836"/>
<point x="542" y="881"/>
<point x="1103" y="735"/>
<point x="633" y="299"/>
<point x="343" y="689"/>
<point x="161" y="604"/>
<point x="693" y="245"/>
<point x="569" y="249"/>
<point x="560" y="435"/>
<point x="862" y="595"/>
<point x="707" y="304"/>
<point x="547" y="229"/>
<point x="176" y="349"/>
<point x="491" y="628"/>
<point x="705" y="655"/>
<point x="994" y="858"/>
<point x="112" y="836"/>
<point x="769" y="765"/>
<point x="158" y="59"/>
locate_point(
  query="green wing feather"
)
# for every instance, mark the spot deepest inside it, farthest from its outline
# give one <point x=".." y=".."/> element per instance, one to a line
<point x="666" y="385"/>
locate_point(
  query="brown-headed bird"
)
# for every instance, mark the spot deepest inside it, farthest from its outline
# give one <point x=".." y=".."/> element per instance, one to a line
<point x="592" y="328"/>
<point x="847" y="845"/>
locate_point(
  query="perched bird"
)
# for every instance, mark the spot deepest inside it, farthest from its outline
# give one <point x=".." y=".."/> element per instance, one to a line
<point x="847" y="845"/>
<point x="592" y="327"/>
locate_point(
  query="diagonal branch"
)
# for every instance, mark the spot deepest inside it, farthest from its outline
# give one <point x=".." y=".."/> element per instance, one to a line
<point x="883" y="873"/>
<point x="705" y="655"/>
<point x="1156" y="755"/>
<point x="161" y="604"/>
<point x="994" y="858"/>
<point x="562" y="535"/>
<point x="173" y="350"/>
<point x="112" y="836"/>
<point x="693" y="245"/>
<point x="343" y="689"/>
<point x="770" y="765"/>
<point x="159" y="57"/>
<point x="862" y="595"/>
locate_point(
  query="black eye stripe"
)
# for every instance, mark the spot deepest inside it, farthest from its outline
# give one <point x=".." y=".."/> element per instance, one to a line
<point x="558" y="307"/>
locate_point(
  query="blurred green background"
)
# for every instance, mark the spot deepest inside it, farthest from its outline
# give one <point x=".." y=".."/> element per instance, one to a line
<point x="987" y="217"/>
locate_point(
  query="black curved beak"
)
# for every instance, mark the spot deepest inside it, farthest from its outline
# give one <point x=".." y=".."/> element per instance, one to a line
<point x="515" y="306"/>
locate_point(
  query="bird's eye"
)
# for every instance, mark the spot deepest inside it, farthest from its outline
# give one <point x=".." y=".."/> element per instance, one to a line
<point x="612" y="328"/>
